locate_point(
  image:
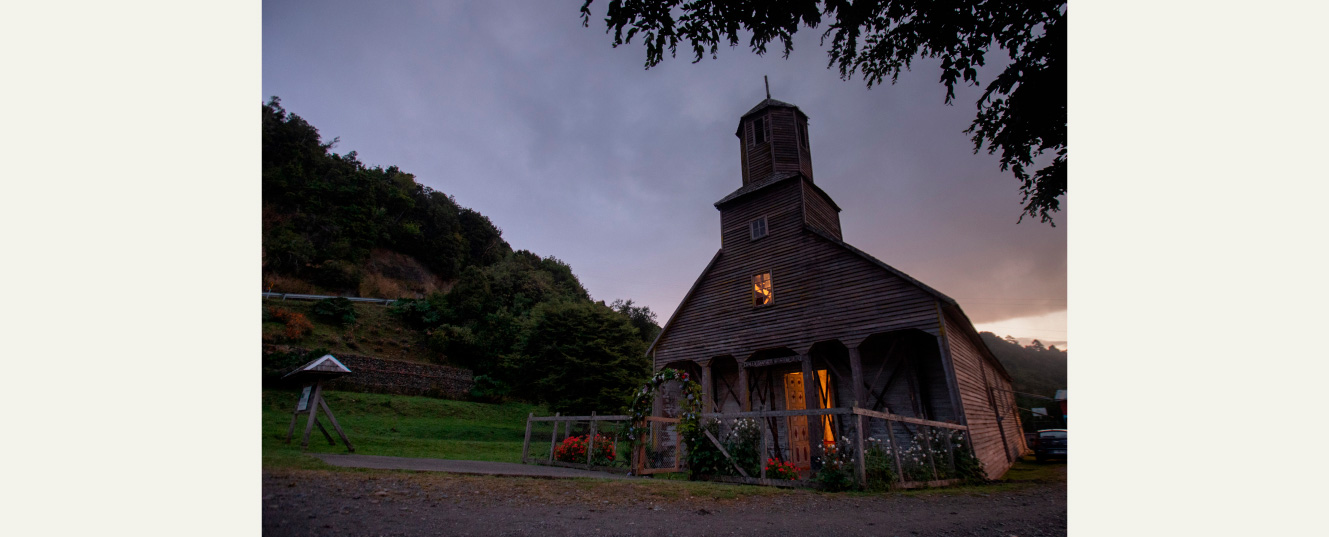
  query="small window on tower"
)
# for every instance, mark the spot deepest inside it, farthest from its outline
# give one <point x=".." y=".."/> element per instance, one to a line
<point x="758" y="228"/>
<point x="759" y="133"/>
<point x="803" y="135"/>
<point x="762" y="294"/>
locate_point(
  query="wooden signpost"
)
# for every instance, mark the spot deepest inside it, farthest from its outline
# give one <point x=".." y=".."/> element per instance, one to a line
<point x="312" y="375"/>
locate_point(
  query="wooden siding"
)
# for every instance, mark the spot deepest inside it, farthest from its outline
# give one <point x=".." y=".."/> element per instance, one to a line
<point x="822" y="291"/>
<point x="784" y="140"/>
<point x="819" y="213"/>
<point x="974" y="375"/>
<point x="757" y="164"/>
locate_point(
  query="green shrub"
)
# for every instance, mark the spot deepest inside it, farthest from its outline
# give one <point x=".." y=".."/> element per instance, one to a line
<point x="486" y="389"/>
<point x="836" y="467"/>
<point x="704" y="458"/>
<point x="419" y="313"/>
<point x="338" y="311"/>
<point x="880" y="466"/>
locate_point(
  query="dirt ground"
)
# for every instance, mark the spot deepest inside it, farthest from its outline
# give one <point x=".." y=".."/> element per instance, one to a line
<point x="315" y="502"/>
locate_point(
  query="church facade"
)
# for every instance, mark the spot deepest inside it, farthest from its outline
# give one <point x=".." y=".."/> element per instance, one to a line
<point x="787" y="316"/>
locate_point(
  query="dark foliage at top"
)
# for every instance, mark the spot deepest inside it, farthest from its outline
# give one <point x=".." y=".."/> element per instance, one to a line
<point x="1034" y="370"/>
<point x="1022" y="112"/>
<point x="324" y="212"/>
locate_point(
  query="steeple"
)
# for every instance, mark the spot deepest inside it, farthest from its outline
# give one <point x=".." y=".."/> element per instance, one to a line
<point x="773" y="138"/>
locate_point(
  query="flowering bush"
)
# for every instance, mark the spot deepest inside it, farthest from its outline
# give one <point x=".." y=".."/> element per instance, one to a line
<point x="834" y="475"/>
<point x="880" y="465"/>
<point x="942" y="446"/>
<point x="781" y="470"/>
<point x="573" y="449"/>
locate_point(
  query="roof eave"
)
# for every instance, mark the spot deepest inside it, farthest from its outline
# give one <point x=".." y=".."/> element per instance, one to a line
<point x="691" y="290"/>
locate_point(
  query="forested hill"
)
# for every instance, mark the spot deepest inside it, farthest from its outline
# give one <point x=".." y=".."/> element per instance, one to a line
<point x="523" y="323"/>
<point x="332" y="222"/>
<point x="1034" y="370"/>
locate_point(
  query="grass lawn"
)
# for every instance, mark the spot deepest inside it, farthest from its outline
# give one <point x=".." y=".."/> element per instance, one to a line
<point x="399" y="426"/>
<point x="405" y="426"/>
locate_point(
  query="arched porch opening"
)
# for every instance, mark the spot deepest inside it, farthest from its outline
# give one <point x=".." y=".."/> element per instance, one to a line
<point x="726" y="395"/>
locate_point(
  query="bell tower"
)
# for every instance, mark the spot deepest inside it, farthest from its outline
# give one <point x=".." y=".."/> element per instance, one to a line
<point x="773" y="139"/>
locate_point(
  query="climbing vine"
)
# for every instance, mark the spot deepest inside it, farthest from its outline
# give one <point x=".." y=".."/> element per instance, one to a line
<point x="689" y="418"/>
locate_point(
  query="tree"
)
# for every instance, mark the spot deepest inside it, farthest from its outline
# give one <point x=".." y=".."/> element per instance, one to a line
<point x="641" y="317"/>
<point x="580" y="357"/>
<point x="1022" y="111"/>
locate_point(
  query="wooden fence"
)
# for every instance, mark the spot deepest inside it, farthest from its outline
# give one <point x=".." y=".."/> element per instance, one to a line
<point x="921" y="449"/>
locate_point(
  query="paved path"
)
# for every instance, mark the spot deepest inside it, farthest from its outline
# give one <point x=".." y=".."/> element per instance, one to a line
<point x="459" y="467"/>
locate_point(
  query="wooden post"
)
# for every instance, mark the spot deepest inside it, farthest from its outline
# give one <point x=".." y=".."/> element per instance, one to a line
<point x="313" y="413"/>
<point x="812" y="400"/>
<point x="856" y="374"/>
<point x="590" y="443"/>
<point x="744" y="400"/>
<point x="858" y="448"/>
<point x="707" y="391"/>
<point x="950" y="453"/>
<point x="319" y="424"/>
<point x="895" y="451"/>
<point x="927" y="448"/>
<point x="765" y="444"/>
<point x="324" y="405"/>
<point x="290" y="431"/>
<point x="526" y="442"/>
<point x="553" y="440"/>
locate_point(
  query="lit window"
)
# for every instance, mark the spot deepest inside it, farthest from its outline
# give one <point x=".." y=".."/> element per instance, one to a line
<point x="757" y="228"/>
<point x="762" y="294"/>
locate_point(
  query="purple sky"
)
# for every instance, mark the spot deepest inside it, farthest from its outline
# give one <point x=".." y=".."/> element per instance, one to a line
<point x="574" y="150"/>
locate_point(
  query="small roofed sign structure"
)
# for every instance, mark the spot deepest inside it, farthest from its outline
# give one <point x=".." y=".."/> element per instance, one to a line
<point x="312" y="376"/>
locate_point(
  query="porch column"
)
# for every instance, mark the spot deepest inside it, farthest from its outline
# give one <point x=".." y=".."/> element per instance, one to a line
<point x="743" y="399"/>
<point x="856" y="374"/>
<point x="812" y="400"/>
<point x="707" y="398"/>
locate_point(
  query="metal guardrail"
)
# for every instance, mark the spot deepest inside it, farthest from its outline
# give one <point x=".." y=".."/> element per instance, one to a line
<point x="293" y="296"/>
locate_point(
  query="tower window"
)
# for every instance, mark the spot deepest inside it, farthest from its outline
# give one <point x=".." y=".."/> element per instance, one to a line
<point x="762" y="294"/>
<point x="760" y="130"/>
<point x="803" y="135"/>
<point x="757" y="228"/>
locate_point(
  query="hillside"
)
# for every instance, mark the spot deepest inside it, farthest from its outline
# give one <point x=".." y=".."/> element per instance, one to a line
<point x="333" y="225"/>
<point x="521" y="322"/>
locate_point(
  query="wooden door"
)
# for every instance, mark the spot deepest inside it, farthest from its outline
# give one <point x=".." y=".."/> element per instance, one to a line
<point x="799" y="452"/>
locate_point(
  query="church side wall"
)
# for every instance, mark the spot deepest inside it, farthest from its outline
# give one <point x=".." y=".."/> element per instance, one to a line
<point x="973" y="376"/>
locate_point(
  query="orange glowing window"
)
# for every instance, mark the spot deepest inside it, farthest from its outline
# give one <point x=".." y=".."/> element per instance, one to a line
<point x="762" y="294"/>
<point x="825" y="400"/>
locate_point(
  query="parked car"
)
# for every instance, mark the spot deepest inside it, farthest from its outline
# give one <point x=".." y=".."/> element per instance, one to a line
<point x="1051" y="444"/>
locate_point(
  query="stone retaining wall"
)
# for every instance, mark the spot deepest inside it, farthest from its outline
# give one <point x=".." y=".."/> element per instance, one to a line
<point x="369" y="374"/>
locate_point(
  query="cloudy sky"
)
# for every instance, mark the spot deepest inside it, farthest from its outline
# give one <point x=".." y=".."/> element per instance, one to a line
<point x="575" y="151"/>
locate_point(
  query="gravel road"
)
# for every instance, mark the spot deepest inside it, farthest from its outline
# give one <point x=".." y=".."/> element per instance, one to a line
<point x="316" y="502"/>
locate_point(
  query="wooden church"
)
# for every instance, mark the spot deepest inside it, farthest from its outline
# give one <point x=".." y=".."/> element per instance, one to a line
<point x="787" y="316"/>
